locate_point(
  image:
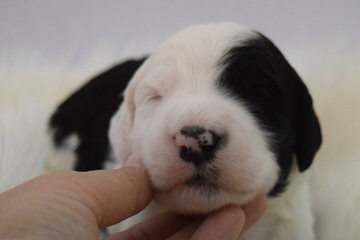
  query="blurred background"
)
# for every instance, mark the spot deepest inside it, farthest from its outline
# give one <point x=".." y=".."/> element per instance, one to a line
<point x="74" y="28"/>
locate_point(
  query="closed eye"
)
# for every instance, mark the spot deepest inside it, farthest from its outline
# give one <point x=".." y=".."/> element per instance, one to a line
<point x="149" y="94"/>
<point x="155" y="98"/>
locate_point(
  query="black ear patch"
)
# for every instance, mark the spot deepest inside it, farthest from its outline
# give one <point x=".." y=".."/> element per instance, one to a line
<point x="88" y="111"/>
<point x="257" y="73"/>
<point x="308" y="131"/>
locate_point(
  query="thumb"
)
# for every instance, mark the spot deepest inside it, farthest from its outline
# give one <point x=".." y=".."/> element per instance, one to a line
<point x="114" y="195"/>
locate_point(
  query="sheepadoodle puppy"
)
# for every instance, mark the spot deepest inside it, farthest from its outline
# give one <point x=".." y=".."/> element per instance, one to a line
<point x="217" y="115"/>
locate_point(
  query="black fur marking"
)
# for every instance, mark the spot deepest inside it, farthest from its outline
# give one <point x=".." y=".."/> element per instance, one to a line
<point x="257" y="73"/>
<point x="87" y="113"/>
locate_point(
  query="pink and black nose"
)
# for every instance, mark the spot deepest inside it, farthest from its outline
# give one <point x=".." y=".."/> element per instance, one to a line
<point x="197" y="144"/>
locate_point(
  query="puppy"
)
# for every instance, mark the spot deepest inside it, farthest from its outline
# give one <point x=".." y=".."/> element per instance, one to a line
<point x="218" y="117"/>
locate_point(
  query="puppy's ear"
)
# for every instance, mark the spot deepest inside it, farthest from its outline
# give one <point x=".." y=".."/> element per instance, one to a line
<point x="309" y="138"/>
<point x="297" y="106"/>
<point x="299" y="109"/>
<point x="256" y="72"/>
<point x="87" y="114"/>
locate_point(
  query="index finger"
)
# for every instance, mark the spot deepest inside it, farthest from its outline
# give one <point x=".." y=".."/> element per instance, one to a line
<point x="114" y="195"/>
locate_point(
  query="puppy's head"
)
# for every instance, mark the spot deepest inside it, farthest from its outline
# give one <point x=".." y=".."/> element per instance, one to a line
<point x="217" y="115"/>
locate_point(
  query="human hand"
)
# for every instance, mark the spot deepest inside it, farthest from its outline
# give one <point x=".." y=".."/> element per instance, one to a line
<point x="226" y="223"/>
<point x="74" y="205"/>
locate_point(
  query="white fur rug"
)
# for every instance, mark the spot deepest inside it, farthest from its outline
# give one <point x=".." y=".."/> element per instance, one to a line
<point x="32" y="85"/>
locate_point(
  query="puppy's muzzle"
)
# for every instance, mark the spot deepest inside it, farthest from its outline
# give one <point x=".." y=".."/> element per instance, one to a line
<point x="198" y="145"/>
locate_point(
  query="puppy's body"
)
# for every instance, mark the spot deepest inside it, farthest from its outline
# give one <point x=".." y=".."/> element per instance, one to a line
<point x="227" y="81"/>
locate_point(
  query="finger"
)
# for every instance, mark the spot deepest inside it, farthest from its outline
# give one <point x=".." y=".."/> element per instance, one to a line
<point x="254" y="211"/>
<point x="187" y="231"/>
<point x="159" y="227"/>
<point x="225" y="223"/>
<point x="114" y="195"/>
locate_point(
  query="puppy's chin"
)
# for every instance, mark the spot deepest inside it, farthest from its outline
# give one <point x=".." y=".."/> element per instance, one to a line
<point x="187" y="199"/>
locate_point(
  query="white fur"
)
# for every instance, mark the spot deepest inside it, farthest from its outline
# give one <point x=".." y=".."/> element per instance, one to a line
<point x="326" y="197"/>
<point x="183" y="72"/>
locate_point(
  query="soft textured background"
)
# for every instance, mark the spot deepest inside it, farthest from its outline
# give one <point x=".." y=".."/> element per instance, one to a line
<point x="48" y="47"/>
<point x="74" y="28"/>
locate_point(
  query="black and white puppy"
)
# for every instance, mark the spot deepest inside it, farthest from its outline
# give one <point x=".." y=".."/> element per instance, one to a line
<point x="218" y="117"/>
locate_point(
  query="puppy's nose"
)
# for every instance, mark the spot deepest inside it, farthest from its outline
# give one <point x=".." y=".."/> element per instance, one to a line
<point x="197" y="144"/>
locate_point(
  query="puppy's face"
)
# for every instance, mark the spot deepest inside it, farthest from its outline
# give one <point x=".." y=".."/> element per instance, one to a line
<point x="210" y="125"/>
